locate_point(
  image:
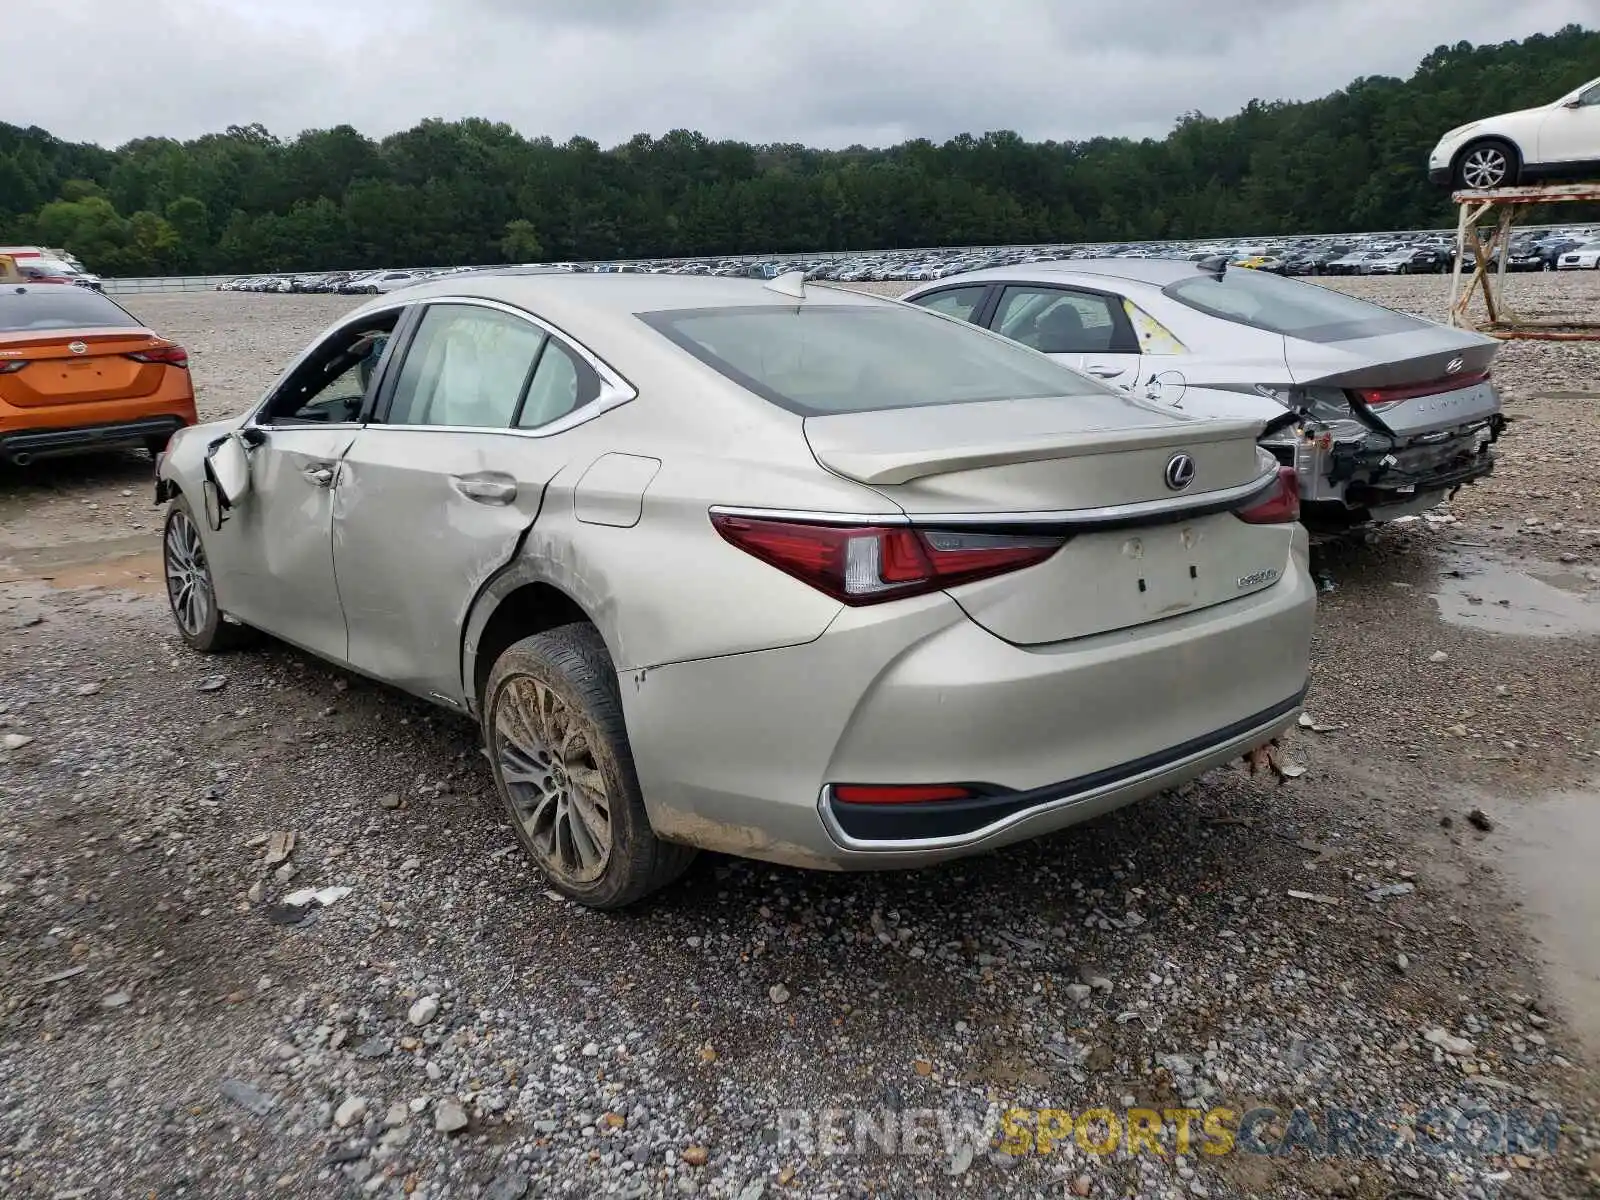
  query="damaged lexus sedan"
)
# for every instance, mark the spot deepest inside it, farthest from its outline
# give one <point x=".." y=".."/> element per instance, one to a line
<point x="792" y="573"/>
<point x="1380" y="413"/>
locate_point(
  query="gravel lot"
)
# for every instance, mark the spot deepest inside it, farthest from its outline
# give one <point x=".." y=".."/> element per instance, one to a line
<point x="1407" y="926"/>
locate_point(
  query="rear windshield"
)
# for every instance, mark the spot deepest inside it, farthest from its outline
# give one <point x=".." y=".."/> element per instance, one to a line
<point x="60" y="306"/>
<point x="1287" y="306"/>
<point x="817" y="359"/>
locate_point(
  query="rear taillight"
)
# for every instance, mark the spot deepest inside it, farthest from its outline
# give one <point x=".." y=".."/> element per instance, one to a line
<point x="173" y="356"/>
<point x="11" y="368"/>
<point x="1380" y="398"/>
<point x="864" y="564"/>
<point x="1281" y="506"/>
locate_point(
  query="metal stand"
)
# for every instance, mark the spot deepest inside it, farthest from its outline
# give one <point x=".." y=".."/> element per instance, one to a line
<point x="1503" y="206"/>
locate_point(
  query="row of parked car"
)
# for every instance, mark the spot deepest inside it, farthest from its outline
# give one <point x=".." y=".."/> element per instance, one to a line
<point x="349" y="283"/>
<point x="1373" y="254"/>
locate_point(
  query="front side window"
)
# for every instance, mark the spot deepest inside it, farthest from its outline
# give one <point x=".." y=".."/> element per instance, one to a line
<point x="467" y="366"/>
<point x="331" y="385"/>
<point x="818" y="359"/>
<point x="1056" y="321"/>
<point x="959" y="302"/>
<point x="1288" y="307"/>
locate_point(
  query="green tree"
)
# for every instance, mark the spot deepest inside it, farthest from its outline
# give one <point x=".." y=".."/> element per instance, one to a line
<point x="521" y="242"/>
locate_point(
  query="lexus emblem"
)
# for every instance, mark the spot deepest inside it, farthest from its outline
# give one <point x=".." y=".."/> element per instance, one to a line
<point x="1454" y="365"/>
<point x="1180" y="472"/>
<point x="78" y="347"/>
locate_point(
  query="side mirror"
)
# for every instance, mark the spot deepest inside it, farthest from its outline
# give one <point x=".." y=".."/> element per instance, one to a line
<point x="227" y="469"/>
<point x="1576" y="102"/>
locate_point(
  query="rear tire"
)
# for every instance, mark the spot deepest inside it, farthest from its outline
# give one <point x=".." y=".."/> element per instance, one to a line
<point x="563" y="768"/>
<point x="1491" y="163"/>
<point x="191" y="595"/>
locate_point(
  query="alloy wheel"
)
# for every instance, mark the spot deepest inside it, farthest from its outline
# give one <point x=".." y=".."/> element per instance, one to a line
<point x="189" y="588"/>
<point x="545" y="752"/>
<point x="1485" y="167"/>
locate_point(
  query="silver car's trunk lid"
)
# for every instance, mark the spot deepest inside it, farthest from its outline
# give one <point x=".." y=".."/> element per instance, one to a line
<point x="1137" y="548"/>
<point x="1045" y="454"/>
<point x="1438" y="372"/>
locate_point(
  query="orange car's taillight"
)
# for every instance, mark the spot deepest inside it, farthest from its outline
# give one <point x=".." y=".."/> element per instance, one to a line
<point x="173" y="356"/>
<point x="11" y="368"/>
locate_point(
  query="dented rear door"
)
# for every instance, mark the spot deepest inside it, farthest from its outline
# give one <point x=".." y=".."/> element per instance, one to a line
<point x="422" y="518"/>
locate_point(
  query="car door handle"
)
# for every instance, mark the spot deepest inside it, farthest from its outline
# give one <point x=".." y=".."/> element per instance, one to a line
<point x="485" y="491"/>
<point x="320" y="474"/>
<point x="1104" y="370"/>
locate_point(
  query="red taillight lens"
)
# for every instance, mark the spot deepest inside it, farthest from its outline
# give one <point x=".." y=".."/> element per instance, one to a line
<point x="910" y="793"/>
<point x="864" y="564"/>
<point x="1281" y="506"/>
<point x="1378" y="398"/>
<point x="11" y="368"/>
<point x="173" y="356"/>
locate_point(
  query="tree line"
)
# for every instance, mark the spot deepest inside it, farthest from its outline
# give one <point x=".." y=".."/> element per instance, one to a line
<point x="476" y="191"/>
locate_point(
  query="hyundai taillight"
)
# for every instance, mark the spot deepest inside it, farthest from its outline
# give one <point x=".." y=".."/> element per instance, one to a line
<point x="1380" y="398"/>
<point x="172" y="356"/>
<point x="12" y="367"/>
<point x="865" y="564"/>
<point x="1282" y="503"/>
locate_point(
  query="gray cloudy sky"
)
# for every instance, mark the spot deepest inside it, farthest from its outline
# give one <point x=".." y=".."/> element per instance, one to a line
<point x="822" y="72"/>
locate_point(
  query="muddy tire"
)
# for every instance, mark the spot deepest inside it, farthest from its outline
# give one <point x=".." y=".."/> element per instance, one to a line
<point x="191" y="596"/>
<point x="552" y="722"/>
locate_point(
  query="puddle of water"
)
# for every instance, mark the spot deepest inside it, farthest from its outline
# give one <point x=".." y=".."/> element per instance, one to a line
<point x="129" y="563"/>
<point x="1539" y="601"/>
<point x="1549" y="847"/>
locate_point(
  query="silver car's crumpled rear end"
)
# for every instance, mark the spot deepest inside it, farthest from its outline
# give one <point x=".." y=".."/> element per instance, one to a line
<point x="1409" y="417"/>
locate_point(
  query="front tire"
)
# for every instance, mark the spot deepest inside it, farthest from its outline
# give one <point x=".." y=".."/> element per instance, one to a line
<point x="191" y="594"/>
<point x="1488" y="164"/>
<point x="553" y="725"/>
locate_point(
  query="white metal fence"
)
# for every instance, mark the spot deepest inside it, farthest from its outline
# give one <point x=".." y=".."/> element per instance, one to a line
<point x="172" y="283"/>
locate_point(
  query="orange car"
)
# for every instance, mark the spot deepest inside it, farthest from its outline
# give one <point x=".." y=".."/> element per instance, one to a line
<point x="79" y="372"/>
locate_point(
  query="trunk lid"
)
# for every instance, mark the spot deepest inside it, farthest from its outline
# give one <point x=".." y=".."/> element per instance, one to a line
<point x="1136" y="549"/>
<point x="55" y="373"/>
<point x="1426" y="367"/>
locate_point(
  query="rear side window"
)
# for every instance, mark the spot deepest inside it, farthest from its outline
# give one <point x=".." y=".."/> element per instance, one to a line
<point x="817" y="359"/>
<point x="1286" y="306"/>
<point x="60" y="306"/>
<point x="1057" y="321"/>
<point x="954" y="302"/>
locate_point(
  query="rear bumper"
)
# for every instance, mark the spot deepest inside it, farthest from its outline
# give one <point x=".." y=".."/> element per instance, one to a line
<point x="963" y="824"/>
<point x="737" y="753"/>
<point x="1439" y="175"/>
<point x="29" y="444"/>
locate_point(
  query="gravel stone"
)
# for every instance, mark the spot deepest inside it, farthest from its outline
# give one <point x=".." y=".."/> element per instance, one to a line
<point x="449" y="1117"/>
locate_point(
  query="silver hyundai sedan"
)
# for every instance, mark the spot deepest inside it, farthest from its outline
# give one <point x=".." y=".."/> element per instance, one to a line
<point x="782" y="571"/>
<point x="1382" y="414"/>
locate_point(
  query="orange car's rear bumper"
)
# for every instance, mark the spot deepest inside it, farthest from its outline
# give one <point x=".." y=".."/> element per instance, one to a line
<point x="55" y="429"/>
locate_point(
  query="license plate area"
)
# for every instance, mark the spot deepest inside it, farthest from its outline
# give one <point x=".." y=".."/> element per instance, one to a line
<point x="1118" y="578"/>
<point x="1157" y="571"/>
